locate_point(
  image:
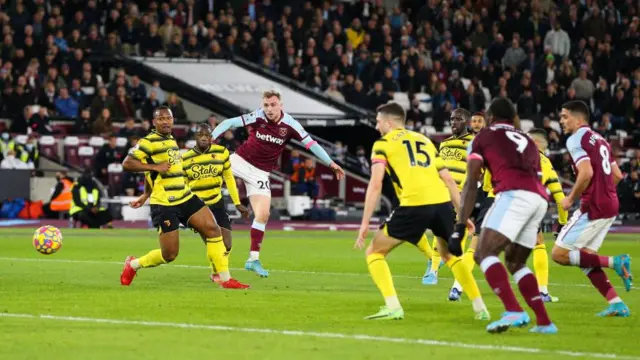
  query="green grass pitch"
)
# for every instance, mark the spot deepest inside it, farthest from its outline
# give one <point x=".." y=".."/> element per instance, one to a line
<point x="71" y="306"/>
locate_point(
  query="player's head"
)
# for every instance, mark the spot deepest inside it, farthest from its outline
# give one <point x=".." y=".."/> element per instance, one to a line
<point x="539" y="137"/>
<point x="163" y="120"/>
<point x="390" y="116"/>
<point x="574" y="114"/>
<point x="477" y="122"/>
<point x="272" y="105"/>
<point x="459" y="119"/>
<point x="501" y="110"/>
<point x="203" y="136"/>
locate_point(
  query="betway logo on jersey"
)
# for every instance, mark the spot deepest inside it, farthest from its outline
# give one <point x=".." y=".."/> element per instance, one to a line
<point x="269" y="138"/>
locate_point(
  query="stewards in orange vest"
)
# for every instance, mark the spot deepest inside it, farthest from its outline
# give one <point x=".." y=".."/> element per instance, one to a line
<point x="61" y="198"/>
<point x="303" y="179"/>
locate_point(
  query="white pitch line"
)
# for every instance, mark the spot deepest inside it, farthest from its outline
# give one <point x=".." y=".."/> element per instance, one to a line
<point x="323" y="273"/>
<point x="326" y="335"/>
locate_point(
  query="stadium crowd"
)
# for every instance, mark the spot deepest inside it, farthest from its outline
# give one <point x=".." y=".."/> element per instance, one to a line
<point x="538" y="53"/>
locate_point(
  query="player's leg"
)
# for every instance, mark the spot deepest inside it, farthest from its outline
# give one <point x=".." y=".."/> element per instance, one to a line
<point x="376" y="253"/>
<point x="581" y="234"/>
<point x="433" y="265"/>
<point x="165" y="218"/>
<point x="203" y="221"/>
<point x="424" y="247"/>
<point x="222" y="219"/>
<point x="261" y="205"/>
<point x="573" y="243"/>
<point x="541" y="268"/>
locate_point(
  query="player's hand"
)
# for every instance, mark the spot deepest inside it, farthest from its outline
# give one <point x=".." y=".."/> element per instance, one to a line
<point x="244" y="212"/>
<point x="337" y="170"/>
<point x="162" y="167"/>
<point x="566" y="203"/>
<point x="455" y="240"/>
<point x="137" y="203"/>
<point x="362" y="236"/>
<point x="471" y="227"/>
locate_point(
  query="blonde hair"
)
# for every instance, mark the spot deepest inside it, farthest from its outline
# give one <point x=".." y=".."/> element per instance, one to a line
<point x="270" y="93"/>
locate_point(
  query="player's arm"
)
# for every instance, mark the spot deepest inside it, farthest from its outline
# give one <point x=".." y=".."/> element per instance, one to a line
<point x="315" y="148"/>
<point x="134" y="160"/>
<point x="448" y="180"/>
<point x="555" y="188"/>
<point x="374" y="189"/>
<point x="585" y="171"/>
<point x="234" y="123"/>
<point x="142" y="198"/>
<point x="616" y="173"/>
<point x="230" y="181"/>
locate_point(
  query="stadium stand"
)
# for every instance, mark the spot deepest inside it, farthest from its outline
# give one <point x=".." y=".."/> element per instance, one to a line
<point x="430" y="56"/>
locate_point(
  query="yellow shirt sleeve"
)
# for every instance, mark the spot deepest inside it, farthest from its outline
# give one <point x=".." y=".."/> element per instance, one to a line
<point x="551" y="182"/>
<point x="142" y="150"/>
<point x="379" y="152"/>
<point x="486" y="184"/>
<point x="227" y="175"/>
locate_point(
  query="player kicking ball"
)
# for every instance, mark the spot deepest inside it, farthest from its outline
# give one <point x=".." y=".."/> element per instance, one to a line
<point x="426" y="192"/>
<point x="207" y="167"/>
<point x="270" y="129"/>
<point x="597" y="175"/>
<point x="511" y="225"/>
<point x="172" y="203"/>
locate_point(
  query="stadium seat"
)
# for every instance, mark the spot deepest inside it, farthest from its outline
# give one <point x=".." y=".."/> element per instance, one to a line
<point x="190" y="144"/>
<point x="402" y="99"/>
<point x="115" y="179"/>
<point x="526" y="125"/>
<point x="555" y="125"/>
<point x="121" y="142"/>
<point x="85" y="155"/>
<point x="425" y="102"/>
<point x="71" y="145"/>
<point x="630" y="153"/>
<point x="447" y="130"/>
<point x="21" y="139"/>
<point x="622" y="134"/>
<point x="428" y="130"/>
<point x="96" y="142"/>
<point x="48" y="147"/>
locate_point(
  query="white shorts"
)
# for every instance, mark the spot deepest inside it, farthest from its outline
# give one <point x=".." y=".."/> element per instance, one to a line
<point x="255" y="180"/>
<point x="517" y="214"/>
<point x="580" y="232"/>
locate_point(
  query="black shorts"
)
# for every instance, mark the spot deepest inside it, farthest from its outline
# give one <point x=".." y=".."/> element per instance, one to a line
<point x="486" y="205"/>
<point x="408" y="223"/>
<point x="478" y="205"/>
<point x="220" y="214"/>
<point x="168" y="218"/>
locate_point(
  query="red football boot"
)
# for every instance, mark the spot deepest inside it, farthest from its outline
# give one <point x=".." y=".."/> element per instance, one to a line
<point x="128" y="272"/>
<point x="215" y="278"/>
<point x="233" y="284"/>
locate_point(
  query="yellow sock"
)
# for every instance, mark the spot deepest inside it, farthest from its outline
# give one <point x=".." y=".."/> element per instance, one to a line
<point x="379" y="270"/>
<point x="216" y="253"/>
<point x="423" y="246"/>
<point x="464" y="277"/>
<point x="153" y="258"/>
<point x="541" y="266"/>
<point x="435" y="258"/>
<point x="463" y="243"/>
<point x="467" y="259"/>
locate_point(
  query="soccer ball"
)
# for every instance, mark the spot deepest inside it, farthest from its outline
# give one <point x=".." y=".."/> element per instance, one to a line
<point x="47" y="239"/>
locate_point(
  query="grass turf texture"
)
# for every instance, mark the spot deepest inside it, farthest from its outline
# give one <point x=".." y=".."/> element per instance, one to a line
<point x="317" y="284"/>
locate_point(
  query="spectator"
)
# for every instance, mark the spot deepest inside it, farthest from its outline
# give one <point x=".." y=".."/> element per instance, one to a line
<point x="133" y="184"/>
<point x="103" y="124"/>
<point x="11" y="162"/>
<point x="123" y="106"/>
<point x="177" y="108"/>
<point x="100" y="102"/>
<point x="378" y="96"/>
<point x="137" y="92"/>
<point x="473" y="99"/>
<point x="365" y="166"/>
<point x="129" y="128"/>
<point x="293" y="163"/>
<point x="84" y="124"/>
<point x="39" y="122"/>
<point x="303" y="179"/>
<point x="583" y="86"/>
<point x="60" y="201"/>
<point x="629" y="193"/>
<point x="150" y="104"/>
<point x="333" y="92"/>
<point x="228" y="141"/>
<point x="107" y="155"/>
<point x="66" y="105"/>
<point x="85" y="203"/>
<point x="514" y="55"/>
<point x="557" y="40"/>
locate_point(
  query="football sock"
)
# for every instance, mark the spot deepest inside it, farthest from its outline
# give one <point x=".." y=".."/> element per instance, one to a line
<point x="435" y="258"/>
<point x="153" y="258"/>
<point x="423" y="246"/>
<point x="467" y="259"/>
<point x="541" y="267"/>
<point x="257" y="235"/>
<point x="463" y="275"/>
<point x="216" y="253"/>
<point x="529" y="290"/>
<point x="601" y="282"/>
<point x="498" y="279"/>
<point x="584" y="259"/>
<point x="379" y="270"/>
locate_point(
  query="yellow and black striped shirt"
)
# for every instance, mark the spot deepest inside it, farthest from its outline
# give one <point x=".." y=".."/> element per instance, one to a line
<point x="454" y="153"/>
<point x="551" y="182"/>
<point x="206" y="171"/>
<point x="170" y="188"/>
